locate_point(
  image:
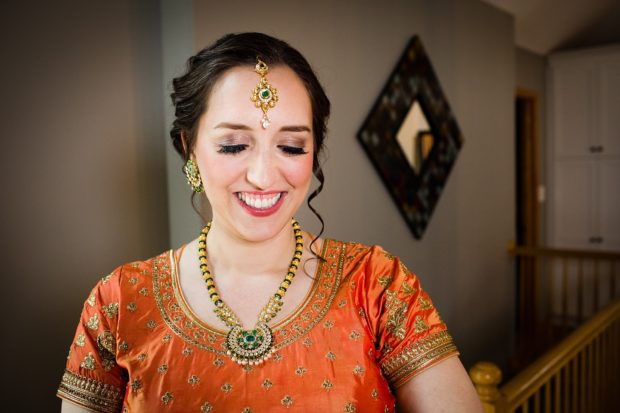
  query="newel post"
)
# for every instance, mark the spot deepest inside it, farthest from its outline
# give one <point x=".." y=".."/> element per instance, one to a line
<point x="486" y="377"/>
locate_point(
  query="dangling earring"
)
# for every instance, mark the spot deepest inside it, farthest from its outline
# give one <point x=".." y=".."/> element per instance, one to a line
<point x="193" y="176"/>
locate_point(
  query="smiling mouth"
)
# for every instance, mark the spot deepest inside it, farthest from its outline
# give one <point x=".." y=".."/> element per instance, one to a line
<point x="260" y="202"/>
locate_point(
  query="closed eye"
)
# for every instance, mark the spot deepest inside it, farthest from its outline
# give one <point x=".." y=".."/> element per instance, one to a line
<point x="292" y="150"/>
<point x="232" y="149"/>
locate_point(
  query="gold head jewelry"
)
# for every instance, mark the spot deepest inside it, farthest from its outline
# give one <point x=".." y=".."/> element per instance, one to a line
<point x="264" y="95"/>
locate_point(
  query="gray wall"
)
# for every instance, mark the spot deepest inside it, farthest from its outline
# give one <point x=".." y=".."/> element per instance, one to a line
<point x="82" y="172"/>
<point x="462" y="259"/>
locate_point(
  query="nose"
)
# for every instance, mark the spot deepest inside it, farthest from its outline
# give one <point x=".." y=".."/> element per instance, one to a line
<point x="261" y="170"/>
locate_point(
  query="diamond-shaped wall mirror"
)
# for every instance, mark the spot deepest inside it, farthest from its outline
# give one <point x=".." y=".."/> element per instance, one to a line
<point x="412" y="138"/>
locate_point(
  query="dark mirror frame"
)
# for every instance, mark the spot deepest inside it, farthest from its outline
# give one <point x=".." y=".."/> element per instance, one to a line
<point x="413" y="79"/>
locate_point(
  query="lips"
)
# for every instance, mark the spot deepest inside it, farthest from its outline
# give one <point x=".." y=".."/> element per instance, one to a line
<point x="259" y="202"/>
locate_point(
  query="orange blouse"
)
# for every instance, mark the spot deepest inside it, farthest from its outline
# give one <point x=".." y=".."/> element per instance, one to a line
<point x="365" y="328"/>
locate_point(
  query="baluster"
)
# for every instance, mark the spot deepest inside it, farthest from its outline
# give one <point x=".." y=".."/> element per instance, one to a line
<point x="558" y="383"/>
<point x="564" y="293"/>
<point x="537" y="401"/>
<point x="580" y="290"/>
<point x="575" y="394"/>
<point x="596" y="287"/>
<point x="486" y="376"/>
<point x="547" y="408"/>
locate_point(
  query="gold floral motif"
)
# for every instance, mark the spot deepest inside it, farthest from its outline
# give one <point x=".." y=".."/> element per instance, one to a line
<point x="359" y="370"/>
<point x="187" y="351"/>
<point x="247" y="368"/>
<point x="287" y="401"/>
<point x="211" y="338"/>
<point x="105" y="279"/>
<point x="284" y="332"/>
<point x="374" y="394"/>
<point x="111" y="310"/>
<point x="387" y="348"/>
<point x="330" y="356"/>
<point x="167" y="398"/>
<point x="277" y="356"/>
<point x="132" y="307"/>
<point x="297" y="328"/>
<point x="141" y="357"/>
<point x="267" y="384"/>
<point x="133" y="281"/>
<point x="300" y="371"/>
<point x="316" y="307"/>
<point x="93" y="322"/>
<point x="342" y="303"/>
<point x="397" y="315"/>
<point x="370" y="352"/>
<point x="106" y="343"/>
<point x="327" y="385"/>
<point x="420" y="325"/>
<point x="354" y="335"/>
<point x="90" y="393"/>
<point x="124" y="346"/>
<point x="328" y="324"/>
<point x="246" y="410"/>
<point x="193" y="380"/>
<point x="407" y="289"/>
<point x="166" y="296"/>
<point x="136" y="385"/>
<point x="80" y="340"/>
<point x="424" y="304"/>
<point x="91" y="300"/>
<point x="385" y="280"/>
<point x="206" y="407"/>
<point x="166" y="338"/>
<point x="321" y="295"/>
<point x="361" y="312"/>
<point x="306" y="317"/>
<point x="307" y="342"/>
<point x="226" y="387"/>
<point x="199" y="334"/>
<point x="151" y="324"/>
<point x="162" y="369"/>
<point x="89" y="362"/>
<point x="218" y="362"/>
<point x="387" y="255"/>
<point x="349" y="407"/>
<point x="353" y="285"/>
<point x="108" y="364"/>
<point x="177" y="318"/>
<point x="144" y="291"/>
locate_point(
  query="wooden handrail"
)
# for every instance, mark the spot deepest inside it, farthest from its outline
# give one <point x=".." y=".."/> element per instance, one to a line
<point x="539" y="374"/>
<point x="562" y="252"/>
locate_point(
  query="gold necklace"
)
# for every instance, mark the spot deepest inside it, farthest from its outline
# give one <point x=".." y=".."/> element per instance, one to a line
<point x="256" y="345"/>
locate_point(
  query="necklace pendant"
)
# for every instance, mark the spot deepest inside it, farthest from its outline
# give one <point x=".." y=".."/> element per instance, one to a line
<point x="250" y="346"/>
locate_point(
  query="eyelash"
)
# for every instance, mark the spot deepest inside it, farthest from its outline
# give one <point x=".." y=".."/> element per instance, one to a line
<point x="235" y="149"/>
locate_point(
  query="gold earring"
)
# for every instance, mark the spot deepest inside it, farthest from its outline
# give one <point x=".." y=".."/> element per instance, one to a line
<point x="193" y="176"/>
<point x="264" y="95"/>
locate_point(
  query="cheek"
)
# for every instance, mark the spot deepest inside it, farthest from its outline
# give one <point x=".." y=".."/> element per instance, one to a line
<point x="300" y="172"/>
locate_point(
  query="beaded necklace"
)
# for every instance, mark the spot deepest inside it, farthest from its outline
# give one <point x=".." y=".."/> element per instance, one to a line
<point x="249" y="346"/>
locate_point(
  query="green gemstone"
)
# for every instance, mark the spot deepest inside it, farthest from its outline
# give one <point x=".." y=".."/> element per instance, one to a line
<point x="250" y="338"/>
<point x="265" y="94"/>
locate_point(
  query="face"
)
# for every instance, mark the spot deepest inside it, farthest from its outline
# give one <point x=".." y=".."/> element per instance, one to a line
<point x="255" y="178"/>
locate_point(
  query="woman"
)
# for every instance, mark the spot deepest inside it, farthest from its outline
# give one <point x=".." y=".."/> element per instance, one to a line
<point x="256" y="315"/>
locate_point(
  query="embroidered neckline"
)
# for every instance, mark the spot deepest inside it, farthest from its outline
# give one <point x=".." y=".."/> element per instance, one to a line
<point x="186" y="324"/>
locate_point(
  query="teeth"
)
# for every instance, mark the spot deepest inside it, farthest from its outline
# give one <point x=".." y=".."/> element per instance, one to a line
<point x="258" y="201"/>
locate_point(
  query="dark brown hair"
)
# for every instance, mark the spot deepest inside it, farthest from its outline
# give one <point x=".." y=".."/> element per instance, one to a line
<point x="191" y="90"/>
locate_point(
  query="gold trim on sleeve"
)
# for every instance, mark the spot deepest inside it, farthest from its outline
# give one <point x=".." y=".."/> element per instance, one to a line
<point x="90" y="393"/>
<point x="417" y="356"/>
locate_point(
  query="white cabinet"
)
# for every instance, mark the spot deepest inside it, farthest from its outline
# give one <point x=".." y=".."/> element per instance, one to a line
<point x="584" y="149"/>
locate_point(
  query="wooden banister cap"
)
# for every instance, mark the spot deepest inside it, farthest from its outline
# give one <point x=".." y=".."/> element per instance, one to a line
<point x="485" y="373"/>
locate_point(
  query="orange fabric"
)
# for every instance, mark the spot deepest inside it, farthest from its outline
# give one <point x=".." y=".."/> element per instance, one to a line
<point x="365" y="328"/>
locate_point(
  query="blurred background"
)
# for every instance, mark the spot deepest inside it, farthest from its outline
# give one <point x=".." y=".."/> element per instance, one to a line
<point x="90" y="180"/>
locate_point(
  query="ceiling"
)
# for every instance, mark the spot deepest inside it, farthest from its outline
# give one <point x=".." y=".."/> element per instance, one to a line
<point x="543" y="26"/>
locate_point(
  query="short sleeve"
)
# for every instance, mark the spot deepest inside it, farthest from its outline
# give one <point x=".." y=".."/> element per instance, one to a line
<point x="92" y="378"/>
<point x="409" y="334"/>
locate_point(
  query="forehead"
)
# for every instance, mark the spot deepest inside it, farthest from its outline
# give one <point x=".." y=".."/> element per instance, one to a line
<point x="231" y="95"/>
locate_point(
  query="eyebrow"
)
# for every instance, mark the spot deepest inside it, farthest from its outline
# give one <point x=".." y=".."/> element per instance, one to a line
<point x="239" y="126"/>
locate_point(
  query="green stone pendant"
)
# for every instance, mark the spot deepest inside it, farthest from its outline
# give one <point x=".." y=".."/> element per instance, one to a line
<point x="250" y="346"/>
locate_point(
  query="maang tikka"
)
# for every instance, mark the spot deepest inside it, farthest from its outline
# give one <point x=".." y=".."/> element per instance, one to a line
<point x="264" y="95"/>
<point x="193" y="176"/>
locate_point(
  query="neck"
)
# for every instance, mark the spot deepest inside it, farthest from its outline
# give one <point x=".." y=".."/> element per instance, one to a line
<point x="232" y="254"/>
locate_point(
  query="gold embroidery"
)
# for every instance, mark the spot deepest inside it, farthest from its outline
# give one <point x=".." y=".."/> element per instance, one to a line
<point x="420" y="325"/>
<point x="370" y="352"/>
<point x="124" y="346"/>
<point x="136" y="385"/>
<point x="226" y="387"/>
<point x="349" y="407"/>
<point x="151" y="324"/>
<point x="359" y="370"/>
<point x="69" y="354"/>
<point x="397" y="312"/>
<point x="141" y="357"/>
<point x="167" y="398"/>
<point x="417" y="356"/>
<point x="354" y="335"/>
<point x="211" y="338"/>
<point x="385" y="280"/>
<point x="287" y="401"/>
<point x="81" y="340"/>
<point x="166" y="338"/>
<point x="387" y="409"/>
<point x="387" y="255"/>
<point x="277" y="356"/>
<point x="361" y="312"/>
<point x="328" y="324"/>
<point x="247" y="368"/>
<point x="387" y="348"/>
<point x="425" y="305"/>
<point x="284" y="333"/>
<point x="111" y="310"/>
<point x="92" y="300"/>
<point x="105" y="279"/>
<point x="374" y="394"/>
<point x="133" y="281"/>
<point x="193" y="380"/>
<point x="218" y="362"/>
<point x="327" y="385"/>
<point x="144" y="291"/>
<point x="300" y="371"/>
<point x="108" y="364"/>
<point x="132" y="307"/>
<point x="162" y="369"/>
<point x="330" y="356"/>
<point x="307" y="342"/>
<point x="342" y="303"/>
<point x="107" y="345"/>
<point x="247" y="410"/>
<point x="93" y="322"/>
<point x="89" y="362"/>
<point x="90" y="393"/>
<point x="305" y="317"/>
<point x="166" y="296"/>
<point x="407" y="289"/>
<point x="267" y="384"/>
<point x="206" y="407"/>
<point x="187" y="351"/>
